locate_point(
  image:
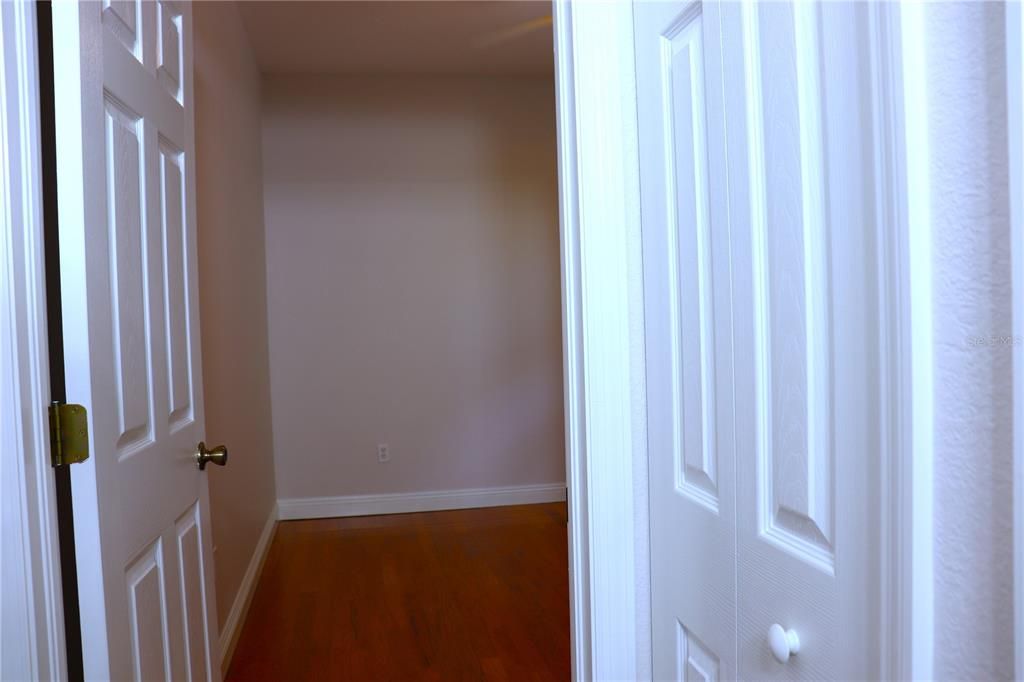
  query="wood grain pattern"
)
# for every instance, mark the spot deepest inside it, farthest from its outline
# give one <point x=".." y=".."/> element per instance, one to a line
<point x="467" y="594"/>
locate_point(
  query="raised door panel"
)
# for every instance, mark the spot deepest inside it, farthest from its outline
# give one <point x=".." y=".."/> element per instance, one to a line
<point x="696" y="662"/>
<point x="127" y="235"/>
<point x="192" y="589"/>
<point x="792" y="263"/>
<point x="690" y="287"/>
<point x="147" y="611"/>
<point x="685" y="233"/>
<point x="175" y="259"/>
<point x="168" y="37"/>
<point x="123" y="18"/>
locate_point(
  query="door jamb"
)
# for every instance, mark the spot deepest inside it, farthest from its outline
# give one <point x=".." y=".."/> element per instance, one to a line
<point x="1015" y="120"/>
<point x="602" y="304"/>
<point x="902" y="195"/>
<point x="30" y="535"/>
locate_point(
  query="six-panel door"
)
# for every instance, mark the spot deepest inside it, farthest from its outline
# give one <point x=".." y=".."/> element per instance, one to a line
<point x="128" y="273"/>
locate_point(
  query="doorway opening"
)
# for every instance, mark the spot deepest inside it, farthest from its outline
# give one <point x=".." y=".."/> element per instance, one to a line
<point x="401" y="158"/>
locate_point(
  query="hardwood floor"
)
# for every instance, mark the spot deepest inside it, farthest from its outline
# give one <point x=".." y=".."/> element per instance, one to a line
<point x="476" y="594"/>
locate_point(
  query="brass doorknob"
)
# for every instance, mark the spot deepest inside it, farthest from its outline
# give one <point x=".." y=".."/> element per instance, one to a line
<point x="218" y="455"/>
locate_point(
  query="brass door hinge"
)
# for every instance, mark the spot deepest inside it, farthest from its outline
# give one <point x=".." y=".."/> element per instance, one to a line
<point x="69" y="434"/>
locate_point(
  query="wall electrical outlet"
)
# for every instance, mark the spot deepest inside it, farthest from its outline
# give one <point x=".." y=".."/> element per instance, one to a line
<point x="383" y="453"/>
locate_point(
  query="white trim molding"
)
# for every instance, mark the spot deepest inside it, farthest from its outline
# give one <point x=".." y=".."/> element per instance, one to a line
<point x="1015" y="119"/>
<point x="405" y="503"/>
<point x="243" y="598"/>
<point x="598" y="170"/>
<point x="905" y="299"/>
<point x="32" y="639"/>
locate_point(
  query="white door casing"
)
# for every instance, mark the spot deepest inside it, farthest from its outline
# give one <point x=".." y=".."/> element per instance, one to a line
<point x="32" y="626"/>
<point x="125" y="140"/>
<point x="786" y="517"/>
<point x="688" y="339"/>
<point x="602" y="336"/>
<point x="1015" y="104"/>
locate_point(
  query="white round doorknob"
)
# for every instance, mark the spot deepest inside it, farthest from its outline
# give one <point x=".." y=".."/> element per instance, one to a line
<point x="784" y="643"/>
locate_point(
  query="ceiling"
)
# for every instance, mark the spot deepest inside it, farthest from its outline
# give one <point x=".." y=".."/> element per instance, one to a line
<point x="411" y="36"/>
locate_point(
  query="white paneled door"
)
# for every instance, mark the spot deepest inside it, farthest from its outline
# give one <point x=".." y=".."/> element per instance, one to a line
<point x="125" y="143"/>
<point x="759" y="272"/>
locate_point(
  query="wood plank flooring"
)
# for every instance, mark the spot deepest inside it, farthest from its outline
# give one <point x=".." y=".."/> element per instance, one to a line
<point x="476" y="594"/>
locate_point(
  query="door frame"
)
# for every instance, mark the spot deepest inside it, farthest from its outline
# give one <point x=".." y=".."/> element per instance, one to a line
<point x="35" y="648"/>
<point x="605" y="403"/>
<point x="602" y="344"/>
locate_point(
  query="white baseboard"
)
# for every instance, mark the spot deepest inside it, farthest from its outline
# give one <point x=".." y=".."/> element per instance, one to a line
<point x="236" y="617"/>
<point x="404" y="503"/>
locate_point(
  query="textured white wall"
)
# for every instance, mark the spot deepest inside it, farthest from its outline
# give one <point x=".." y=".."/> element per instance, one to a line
<point x="413" y="283"/>
<point x="973" y="381"/>
<point x="232" y="290"/>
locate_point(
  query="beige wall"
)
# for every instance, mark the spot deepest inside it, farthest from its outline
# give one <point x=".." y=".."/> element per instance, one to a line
<point x="413" y="283"/>
<point x="232" y="286"/>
